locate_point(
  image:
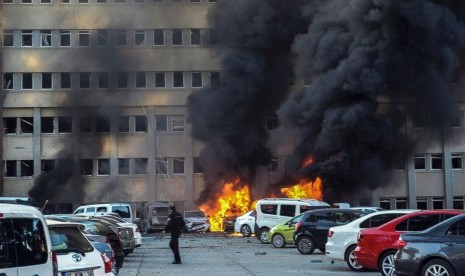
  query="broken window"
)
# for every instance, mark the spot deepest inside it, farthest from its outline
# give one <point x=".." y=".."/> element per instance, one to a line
<point x="27" y="167"/>
<point x="47" y="165"/>
<point x="140" y="166"/>
<point x="46" y="37"/>
<point x="123" y="166"/>
<point x="86" y="167"/>
<point x="8" y="38"/>
<point x="141" y="81"/>
<point x="196" y="79"/>
<point x="10" y="168"/>
<point x="139" y="38"/>
<point x="436" y="161"/>
<point x="178" y="165"/>
<point x="65" y="80"/>
<point x="85" y="124"/>
<point x="84" y="38"/>
<point x="176" y="37"/>
<point x="65" y="38"/>
<point x="121" y="38"/>
<point x="177" y="124"/>
<point x="47" y="81"/>
<point x="178" y="79"/>
<point x="27" y="125"/>
<point x="8" y="81"/>
<point x="84" y="80"/>
<point x="123" y="124"/>
<point x="215" y="79"/>
<point x="195" y="37"/>
<point x="158" y="37"/>
<point x="160" y="79"/>
<point x="65" y="124"/>
<point x="9" y="125"/>
<point x="198" y="168"/>
<point x="102" y="37"/>
<point x="161" y="166"/>
<point x="161" y="122"/>
<point x="46" y="125"/>
<point x="122" y="80"/>
<point x="140" y="123"/>
<point x="26" y="38"/>
<point x="102" y="124"/>
<point x="103" y="166"/>
<point x="103" y="80"/>
<point x="27" y="81"/>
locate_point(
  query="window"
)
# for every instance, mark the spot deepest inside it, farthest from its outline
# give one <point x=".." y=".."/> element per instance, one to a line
<point x="140" y="123"/>
<point x="422" y="204"/>
<point x="8" y="38"/>
<point x="47" y="165"/>
<point x="8" y="81"/>
<point x="176" y="37"/>
<point x="27" y="125"/>
<point x="102" y="124"/>
<point x="101" y="1"/>
<point x="123" y="124"/>
<point x="436" y="161"/>
<point x="139" y="38"/>
<point x="86" y="167"/>
<point x="161" y="122"/>
<point x="47" y="81"/>
<point x="26" y="1"/>
<point x="84" y="80"/>
<point x="195" y="37"/>
<point x="83" y="1"/>
<point x="123" y="166"/>
<point x="457" y="163"/>
<point x="10" y="168"/>
<point x="177" y="124"/>
<point x="140" y="166"/>
<point x="438" y="203"/>
<point x="65" y="1"/>
<point x="196" y="79"/>
<point x="457" y="229"/>
<point x="178" y="165"/>
<point x="122" y="80"/>
<point x="65" y="38"/>
<point x="418" y="223"/>
<point x="161" y="166"/>
<point x="103" y="81"/>
<point x="160" y="79"/>
<point x="102" y="38"/>
<point x="141" y="80"/>
<point x="215" y="79"/>
<point x="420" y="162"/>
<point x="458" y="203"/>
<point x="273" y="165"/>
<point x="198" y="168"/>
<point x="26" y="38"/>
<point x="385" y="203"/>
<point x="269" y="209"/>
<point x="65" y="80"/>
<point x="27" y="81"/>
<point x="8" y="2"/>
<point x="103" y="166"/>
<point x="65" y="124"/>
<point x="401" y="203"/>
<point x="378" y="220"/>
<point x="46" y="38"/>
<point x="46" y="125"/>
<point x="178" y="79"/>
<point x="27" y="167"/>
<point x="84" y="38"/>
<point x="121" y="38"/>
<point x="158" y="37"/>
<point x="85" y="124"/>
<point x="272" y="122"/>
<point x="287" y="210"/>
<point x="9" y="125"/>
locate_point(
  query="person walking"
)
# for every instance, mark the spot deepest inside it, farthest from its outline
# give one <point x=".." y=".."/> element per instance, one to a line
<point x="175" y="226"/>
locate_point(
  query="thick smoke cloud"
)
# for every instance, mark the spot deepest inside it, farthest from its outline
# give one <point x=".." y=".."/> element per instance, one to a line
<point x="356" y="55"/>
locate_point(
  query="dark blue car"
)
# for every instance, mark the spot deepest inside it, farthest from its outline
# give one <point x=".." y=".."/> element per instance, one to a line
<point x="439" y="250"/>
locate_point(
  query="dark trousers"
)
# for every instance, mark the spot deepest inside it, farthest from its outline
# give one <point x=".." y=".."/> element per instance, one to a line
<point x="174" y="245"/>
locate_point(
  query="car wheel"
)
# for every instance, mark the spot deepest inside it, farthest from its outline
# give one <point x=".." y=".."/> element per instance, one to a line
<point x="386" y="263"/>
<point x="350" y="259"/>
<point x="305" y="245"/>
<point x="264" y="235"/>
<point x="278" y="241"/>
<point x="246" y="231"/>
<point x="437" y="267"/>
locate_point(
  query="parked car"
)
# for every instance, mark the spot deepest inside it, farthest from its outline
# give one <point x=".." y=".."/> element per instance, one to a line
<point x="123" y="209"/>
<point x="25" y="245"/>
<point x="75" y="253"/>
<point x="342" y="240"/>
<point x="311" y="231"/>
<point x="121" y="222"/>
<point x="245" y="224"/>
<point x="376" y="246"/>
<point x="436" y="251"/>
<point x="272" y="211"/>
<point x="367" y="209"/>
<point x="105" y="247"/>
<point x="282" y="234"/>
<point x="157" y="216"/>
<point x="196" y="221"/>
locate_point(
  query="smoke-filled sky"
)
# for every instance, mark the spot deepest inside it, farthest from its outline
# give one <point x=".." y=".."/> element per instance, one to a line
<point x="352" y="53"/>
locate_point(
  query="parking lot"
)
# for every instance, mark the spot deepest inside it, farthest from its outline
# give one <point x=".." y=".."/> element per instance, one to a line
<point x="225" y="254"/>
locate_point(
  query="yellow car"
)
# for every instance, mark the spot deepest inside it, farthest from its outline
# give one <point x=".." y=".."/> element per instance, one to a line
<point x="282" y="234"/>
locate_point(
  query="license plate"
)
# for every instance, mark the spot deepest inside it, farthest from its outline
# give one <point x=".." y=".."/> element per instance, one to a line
<point x="79" y="273"/>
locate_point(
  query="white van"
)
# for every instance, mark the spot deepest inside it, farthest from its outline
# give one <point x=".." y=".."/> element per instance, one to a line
<point x="123" y="209"/>
<point x="25" y="246"/>
<point x="272" y="211"/>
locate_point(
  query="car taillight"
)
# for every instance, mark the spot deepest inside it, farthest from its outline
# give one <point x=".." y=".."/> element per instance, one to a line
<point x="330" y="234"/>
<point x="107" y="262"/>
<point x="401" y="243"/>
<point x="359" y="236"/>
<point x="55" y="264"/>
<point x="297" y="225"/>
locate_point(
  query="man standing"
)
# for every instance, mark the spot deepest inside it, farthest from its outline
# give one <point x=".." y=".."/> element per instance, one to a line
<point x="175" y="226"/>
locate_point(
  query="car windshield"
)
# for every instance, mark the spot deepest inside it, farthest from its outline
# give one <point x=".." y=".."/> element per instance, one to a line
<point x="194" y="214"/>
<point x="69" y="239"/>
<point x="123" y="211"/>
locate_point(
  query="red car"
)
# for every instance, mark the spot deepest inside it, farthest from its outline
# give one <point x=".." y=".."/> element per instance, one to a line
<point x="377" y="246"/>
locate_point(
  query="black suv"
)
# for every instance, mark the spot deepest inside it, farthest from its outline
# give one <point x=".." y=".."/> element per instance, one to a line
<point x="312" y="229"/>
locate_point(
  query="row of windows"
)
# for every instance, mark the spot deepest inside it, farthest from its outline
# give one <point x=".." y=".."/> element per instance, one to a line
<point x="90" y="124"/>
<point x="421" y="203"/>
<point x="92" y="167"/>
<point x="106" y="80"/>
<point x="103" y="1"/>
<point x="427" y="121"/>
<point x="105" y="38"/>
<point x="436" y="162"/>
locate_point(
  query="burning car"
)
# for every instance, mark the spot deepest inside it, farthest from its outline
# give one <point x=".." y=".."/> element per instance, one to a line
<point x="196" y="221"/>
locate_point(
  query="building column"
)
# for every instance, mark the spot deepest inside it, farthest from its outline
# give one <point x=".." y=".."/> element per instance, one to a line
<point x="448" y="177"/>
<point x="36" y="145"/>
<point x="189" y="173"/>
<point x="411" y="182"/>
<point x="113" y="136"/>
<point x="151" y="148"/>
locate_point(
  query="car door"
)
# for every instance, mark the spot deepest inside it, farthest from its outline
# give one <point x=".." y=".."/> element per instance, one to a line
<point x="454" y="243"/>
<point x="323" y="220"/>
<point x="8" y="265"/>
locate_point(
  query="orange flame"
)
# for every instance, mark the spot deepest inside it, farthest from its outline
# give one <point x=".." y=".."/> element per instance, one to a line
<point x="305" y="189"/>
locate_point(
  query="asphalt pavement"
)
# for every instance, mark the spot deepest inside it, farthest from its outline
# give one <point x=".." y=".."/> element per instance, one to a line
<point x="224" y="254"/>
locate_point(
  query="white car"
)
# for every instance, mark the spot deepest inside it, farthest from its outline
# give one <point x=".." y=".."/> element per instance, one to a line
<point x="76" y="256"/>
<point x="121" y="222"/>
<point x="368" y="209"/>
<point x="342" y="240"/>
<point x="196" y="221"/>
<point x="245" y="224"/>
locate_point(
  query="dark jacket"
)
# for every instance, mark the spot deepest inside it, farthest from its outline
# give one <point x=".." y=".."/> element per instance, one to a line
<point x="175" y="223"/>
